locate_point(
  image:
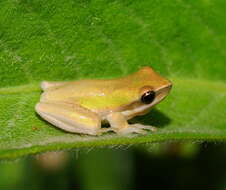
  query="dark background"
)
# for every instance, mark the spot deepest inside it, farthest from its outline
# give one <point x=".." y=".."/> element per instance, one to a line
<point x="163" y="166"/>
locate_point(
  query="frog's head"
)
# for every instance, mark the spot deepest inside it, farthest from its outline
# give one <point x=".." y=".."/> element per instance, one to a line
<point x="149" y="88"/>
<point x="154" y="88"/>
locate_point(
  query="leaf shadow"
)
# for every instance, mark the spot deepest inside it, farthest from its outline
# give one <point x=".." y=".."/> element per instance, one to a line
<point x="154" y="117"/>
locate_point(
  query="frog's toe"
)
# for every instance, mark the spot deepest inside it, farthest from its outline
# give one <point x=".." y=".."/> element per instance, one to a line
<point x="146" y="127"/>
<point x="130" y="130"/>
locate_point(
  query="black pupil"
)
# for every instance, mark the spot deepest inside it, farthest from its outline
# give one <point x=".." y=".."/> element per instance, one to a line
<point x="148" y="97"/>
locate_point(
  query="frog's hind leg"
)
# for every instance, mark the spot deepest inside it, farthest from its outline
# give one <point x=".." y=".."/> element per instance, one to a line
<point x="70" y="117"/>
<point x="47" y="85"/>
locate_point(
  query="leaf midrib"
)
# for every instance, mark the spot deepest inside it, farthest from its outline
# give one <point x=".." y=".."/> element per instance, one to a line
<point x="107" y="141"/>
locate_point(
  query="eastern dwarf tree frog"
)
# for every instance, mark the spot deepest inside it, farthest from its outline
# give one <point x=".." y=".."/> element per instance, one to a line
<point x="81" y="106"/>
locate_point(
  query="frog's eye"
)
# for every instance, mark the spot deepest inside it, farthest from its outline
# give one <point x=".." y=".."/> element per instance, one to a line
<point x="148" y="97"/>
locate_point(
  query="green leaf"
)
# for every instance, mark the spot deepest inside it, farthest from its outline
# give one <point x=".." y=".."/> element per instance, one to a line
<point x="68" y="40"/>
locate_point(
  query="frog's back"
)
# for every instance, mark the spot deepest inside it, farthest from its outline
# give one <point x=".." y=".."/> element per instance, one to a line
<point x="124" y="88"/>
<point x="58" y="91"/>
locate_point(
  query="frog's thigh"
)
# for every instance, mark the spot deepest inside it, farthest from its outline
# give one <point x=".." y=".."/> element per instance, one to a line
<point x="70" y="117"/>
<point x="46" y="85"/>
<point x="120" y="125"/>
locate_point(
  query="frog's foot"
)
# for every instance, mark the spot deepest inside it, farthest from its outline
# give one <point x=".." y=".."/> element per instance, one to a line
<point x="135" y="128"/>
<point x="129" y="130"/>
<point x="146" y="127"/>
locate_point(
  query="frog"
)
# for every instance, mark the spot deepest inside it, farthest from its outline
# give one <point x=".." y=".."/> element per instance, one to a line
<point x="83" y="106"/>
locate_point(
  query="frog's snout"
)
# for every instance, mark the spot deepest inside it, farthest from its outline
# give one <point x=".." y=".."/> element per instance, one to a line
<point x="169" y="87"/>
<point x="162" y="92"/>
<point x="166" y="89"/>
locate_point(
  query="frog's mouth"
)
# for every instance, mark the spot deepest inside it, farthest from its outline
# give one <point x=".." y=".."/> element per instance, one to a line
<point x="160" y="94"/>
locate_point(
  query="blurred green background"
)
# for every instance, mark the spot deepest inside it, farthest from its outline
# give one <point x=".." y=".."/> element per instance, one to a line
<point x="164" y="166"/>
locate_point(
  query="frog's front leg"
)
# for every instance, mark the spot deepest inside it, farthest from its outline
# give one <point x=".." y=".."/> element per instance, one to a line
<point x="70" y="117"/>
<point x="120" y="125"/>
